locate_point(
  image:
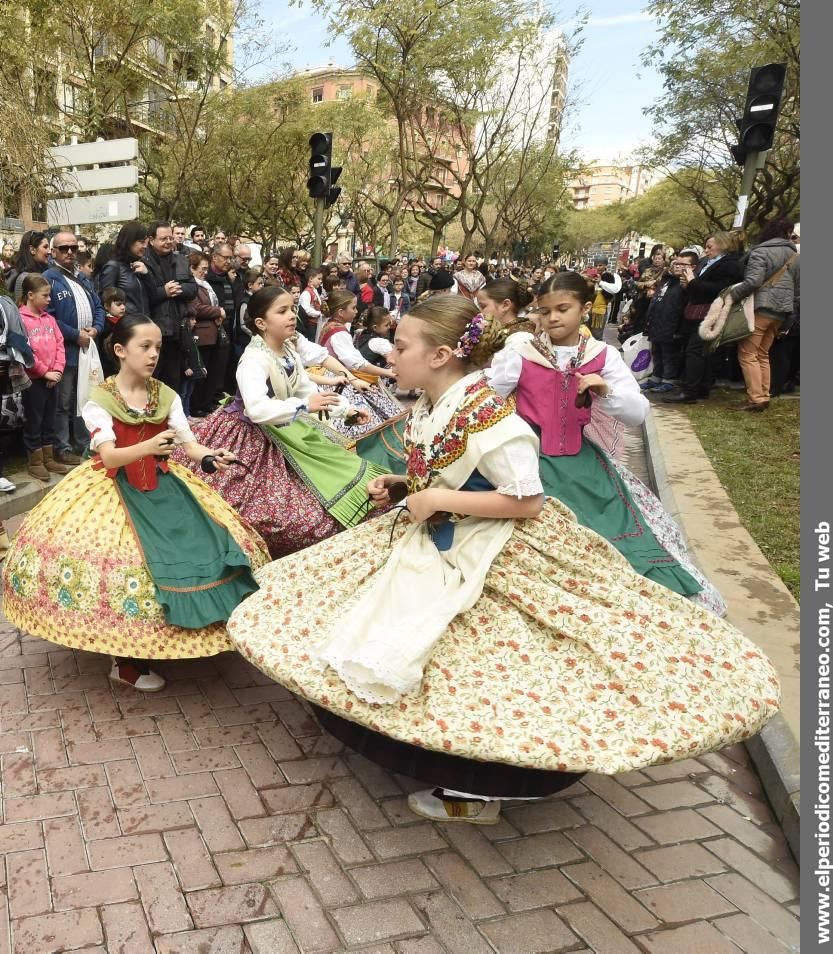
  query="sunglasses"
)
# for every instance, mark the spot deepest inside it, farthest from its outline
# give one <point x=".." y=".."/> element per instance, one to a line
<point x="67" y="248"/>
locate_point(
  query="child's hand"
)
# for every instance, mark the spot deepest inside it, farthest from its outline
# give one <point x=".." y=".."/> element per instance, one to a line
<point x="52" y="378"/>
<point x="360" y="385"/>
<point x="593" y="382"/>
<point x="377" y="489"/>
<point x="421" y="506"/>
<point x="162" y="444"/>
<point x="357" y="415"/>
<point x="322" y="401"/>
<point x="223" y="458"/>
<point x="189" y="372"/>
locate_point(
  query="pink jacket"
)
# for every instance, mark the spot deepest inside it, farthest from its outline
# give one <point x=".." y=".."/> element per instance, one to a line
<point x="46" y="342"/>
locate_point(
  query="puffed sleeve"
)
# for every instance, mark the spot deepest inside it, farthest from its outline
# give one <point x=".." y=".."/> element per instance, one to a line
<point x="178" y="422"/>
<point x="625" y="401"/>
<point x="99" y="424"/>
<point x="309" y="352"/>
<point x="253" y="381"/>
<point x="345" y="351"/>
<point x="505" y="371"/>
<point x="512" y="468"/>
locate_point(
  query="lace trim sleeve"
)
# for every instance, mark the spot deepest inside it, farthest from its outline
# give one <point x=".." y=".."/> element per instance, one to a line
<point x="527" y="486"/>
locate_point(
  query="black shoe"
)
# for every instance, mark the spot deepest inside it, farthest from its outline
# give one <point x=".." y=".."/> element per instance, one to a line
<point x="681" y="398"/>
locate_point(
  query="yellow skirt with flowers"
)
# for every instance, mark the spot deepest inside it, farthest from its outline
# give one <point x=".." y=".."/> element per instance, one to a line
<point x="569" y="661"/>
<point x="76" y="575"/>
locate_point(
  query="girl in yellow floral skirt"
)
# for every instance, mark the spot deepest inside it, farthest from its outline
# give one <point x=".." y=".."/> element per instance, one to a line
<point x="131" y="555"/>
<point x="491" y="645"/>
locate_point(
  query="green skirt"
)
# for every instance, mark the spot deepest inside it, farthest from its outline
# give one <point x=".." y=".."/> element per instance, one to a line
<point x="590" y="486"/>
<point x="199" y="571"/>
<point x="337" y="477"/>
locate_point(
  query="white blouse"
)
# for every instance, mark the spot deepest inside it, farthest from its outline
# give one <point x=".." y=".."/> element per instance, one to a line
<point x="100" y="423"/>
<point x="346" y="351"/>
<point x="305" y="302"/>
<point x="309" y="352"/>
<point x="512" y="468"/>
<point x="624" y="402"/>
<point x="253" y="381"/>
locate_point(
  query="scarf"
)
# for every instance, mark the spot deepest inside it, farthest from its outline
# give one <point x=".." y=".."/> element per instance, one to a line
<point x="212" y="295"/>
<point x="156" y="411"/>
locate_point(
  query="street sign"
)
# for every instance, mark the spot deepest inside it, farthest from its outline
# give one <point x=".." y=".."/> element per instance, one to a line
<point x="94" y="153"/>
<point x="98" y="180"/>
<point x="115" y="207"/>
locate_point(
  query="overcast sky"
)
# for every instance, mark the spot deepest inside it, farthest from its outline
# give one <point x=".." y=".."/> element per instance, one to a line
<point x="612" y="86"/>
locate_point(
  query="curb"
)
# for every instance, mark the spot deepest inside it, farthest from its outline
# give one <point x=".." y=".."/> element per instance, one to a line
<point x="29" y="493"/>
<point x="774" y="751"/>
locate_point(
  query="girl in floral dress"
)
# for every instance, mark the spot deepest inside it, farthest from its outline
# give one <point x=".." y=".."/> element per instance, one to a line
<point x="482" y="639"/>
<point x="296" y="483"/>
<point x="132" y="555"/>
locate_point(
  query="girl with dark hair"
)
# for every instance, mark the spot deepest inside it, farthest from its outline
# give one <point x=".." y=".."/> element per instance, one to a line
<point x="126" y="269"/>
<point x="32" y="257"/>
<point x="287" y="273"/>
<point x="558" y="378"/>
<point x="130" y="554"/>
<point x="487" y="643"/>
<point x="301" y="485"/>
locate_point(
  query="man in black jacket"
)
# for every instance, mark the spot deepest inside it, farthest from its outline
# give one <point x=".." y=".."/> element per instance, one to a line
<point x="424" y="280"/>
<point x="170" y="286"/>
<point x="665" y="313"/>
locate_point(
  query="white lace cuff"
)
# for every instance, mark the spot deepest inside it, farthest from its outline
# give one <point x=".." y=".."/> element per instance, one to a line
<point x="527" y="486"/>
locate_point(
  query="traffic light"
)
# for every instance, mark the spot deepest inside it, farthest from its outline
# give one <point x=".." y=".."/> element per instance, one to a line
<point x="556" y="249"/>
<point x="763" y="99"/>
<point x="323" y="175"/>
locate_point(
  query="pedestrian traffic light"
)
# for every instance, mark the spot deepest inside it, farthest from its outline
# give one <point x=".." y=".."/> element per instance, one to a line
<point x="556" y="249"/>
<point x="756" y="127"/>
<point x="641" y="250"/>
<point x="323" y="175"/>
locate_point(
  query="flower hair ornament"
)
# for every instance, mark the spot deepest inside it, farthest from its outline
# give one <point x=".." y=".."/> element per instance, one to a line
<point x="470" y="337"/>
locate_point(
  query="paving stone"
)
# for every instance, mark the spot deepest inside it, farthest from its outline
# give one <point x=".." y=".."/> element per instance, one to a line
<point x="346" y="842"/>
<point x="614" y="825"/>
<point x="270" y="937"/>
<point x="680" y="861"/>
<point x="539" y="851"/>
<point x="260" y="765"/>
<point x="35" y="807"/>
<point x="180" y="788"/>
<point x="255" y="864"/>
<point x="296" y="798"/>
<point x="126" y="783"/>
<point x="694" y="938"/>
<point x="97" y="813"/>
<point x="473" y="843"/>
<point x="71" y="779"/>
<point x="675" y="795"/>
<point x="594" y="927"/>
<point x="53" y="933"/>
<point x="225" y="940"/>
<point x="20" y="837"/>
<point x="617" y="795"/>
<point x="216" y="824"/>
<point x="534" y="889"/>
<point x="529" y="933"/>
<point x="627" y="871"/>
<point x="277" y="829"/>
<point x="303" y="913"/>
<point x="685" y="901"/>
<point x="325" y="874"/>
<point x="464" y="885"/>
<point x="153" y="758"/>
<point x="125" y="929"/>
<point x="448" y="924"/>
<point x="547" y="815"/>
<point x="149" y="818"/>
<point x="216" y="907"/>
<point x="769" y="843"/>
<point x="162" y="898"/>
<point x="28" y="883"/>
<point x="126" y="851"/>
<point x="758" y="905"/>
<point x="93" y="888"/>
<point x="405" y="841"/>
<point x="65" y="851"/>
<point x="241" y="796"/>
<point x="783" y="885"/>
<point x="191" y="859"/>
<point x="355" y="800"/>
<point x="611" y="897"/>
<point x="377" y="920"/>
<point x="750" y="936"/>
<point x="674" y="827"/>
<point x="393" y="877"/>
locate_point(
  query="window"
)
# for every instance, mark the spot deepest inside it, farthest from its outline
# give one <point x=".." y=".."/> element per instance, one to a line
<point x="72" y="96"/>
<point x="156" y="50"/>
<point x="318" y="94"/>
<point x="344" y="92"/>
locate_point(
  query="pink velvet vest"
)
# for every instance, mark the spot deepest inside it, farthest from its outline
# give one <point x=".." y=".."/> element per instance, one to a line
<point x="546" y="398"/>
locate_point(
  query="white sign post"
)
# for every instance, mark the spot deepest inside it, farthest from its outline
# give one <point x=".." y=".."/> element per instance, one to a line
<point x="69" y="205"/>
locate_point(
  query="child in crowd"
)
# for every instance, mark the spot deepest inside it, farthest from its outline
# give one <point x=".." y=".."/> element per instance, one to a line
<point x="40" y="399"/>
<point x="336" y="338"/>
<point x="252" y="282"/>
<point x="84" y="264"/>
<point x="310" y="306"/>
<point x="115" y="305"/>
<point x="513" y="670"/>
<point x="373" y="341"/>
<point x="300" y="484"/>
<point x="130" y="554"/>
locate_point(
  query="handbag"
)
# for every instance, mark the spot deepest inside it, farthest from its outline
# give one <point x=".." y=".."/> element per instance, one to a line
<point x="728" y="322"/>
<point x="637" y="355"/>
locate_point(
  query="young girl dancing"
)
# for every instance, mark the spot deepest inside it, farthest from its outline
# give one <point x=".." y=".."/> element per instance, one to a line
<point x="526" y="649"/>
<point x="130" y="554"/>
<point x="559" y="378"/>
<point x="295" y="484"/>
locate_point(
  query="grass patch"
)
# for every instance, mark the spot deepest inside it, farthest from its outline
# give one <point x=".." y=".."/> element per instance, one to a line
<point x="757" y="458"/>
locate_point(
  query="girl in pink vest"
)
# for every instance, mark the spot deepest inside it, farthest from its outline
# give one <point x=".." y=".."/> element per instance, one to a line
<point x="557" y="376"/>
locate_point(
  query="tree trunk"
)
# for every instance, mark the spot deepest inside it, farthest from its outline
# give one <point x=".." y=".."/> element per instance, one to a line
<point x="436" y="238"/>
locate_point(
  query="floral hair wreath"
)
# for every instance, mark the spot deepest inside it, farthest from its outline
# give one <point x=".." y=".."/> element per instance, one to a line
<point x="470" y="337"/>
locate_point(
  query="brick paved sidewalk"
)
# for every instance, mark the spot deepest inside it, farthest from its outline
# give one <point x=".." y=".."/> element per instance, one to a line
<point x="215" y="818"/>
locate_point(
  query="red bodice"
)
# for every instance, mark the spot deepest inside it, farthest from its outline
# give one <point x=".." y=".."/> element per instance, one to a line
<point x="141" y="474"/>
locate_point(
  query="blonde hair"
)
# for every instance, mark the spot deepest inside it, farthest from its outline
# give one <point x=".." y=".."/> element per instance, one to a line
<point x="727" y="241"/>
<point x="445" y="319"/>
<point x="339" y="298"/>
